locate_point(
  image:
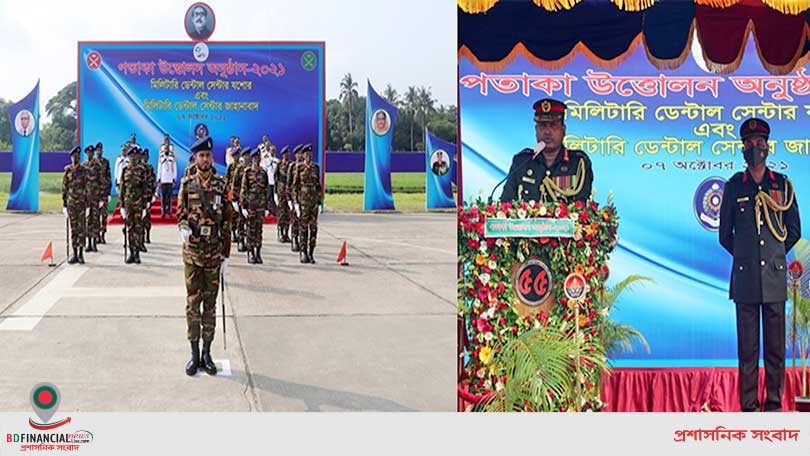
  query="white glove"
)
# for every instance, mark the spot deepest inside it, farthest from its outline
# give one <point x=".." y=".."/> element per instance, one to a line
<point x="289" y="204"/>
<point x="223" y="267"/>
<point x="244" y="212"/>
<point x="266" y="213"/>
<point x="298" y="210"/>
<point x="235" y="206"/>
<point x="123" y="213"/>
<point x="185" y="233"/>
<point x="320" y="209"/>
<point x="143" y="213"/>
<point x="109" y="199"/>
<point x="64" y="211"/>
<point x="275" y="197"/>
<point x="87" y="212"/>
<point x="101" y="204"/>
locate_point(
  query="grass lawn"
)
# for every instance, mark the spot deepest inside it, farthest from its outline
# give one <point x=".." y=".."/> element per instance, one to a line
<point x="344" y="192"/>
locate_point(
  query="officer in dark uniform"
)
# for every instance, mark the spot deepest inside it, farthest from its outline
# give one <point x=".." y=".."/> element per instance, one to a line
<point x="759" y="224"/>
<point x="556" y="173"/>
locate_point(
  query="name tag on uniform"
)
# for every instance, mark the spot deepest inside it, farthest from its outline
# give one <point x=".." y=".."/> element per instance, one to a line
<point x="528" y="179"/>
<point x="205" y="231"/>
<point x="743" y="199"/>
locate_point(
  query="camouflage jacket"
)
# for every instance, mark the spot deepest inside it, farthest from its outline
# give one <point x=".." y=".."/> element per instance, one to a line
<point x="281" y="177"/>
<point x="106" y="174"/>
<point x="191" y="168"/>
<point x="292" y="187"/>
<point x="133" y="186"/>
<point x="236" y="181"/>
<point x="210" y="240"/>
<point x="94" y="180"/>
<point x="308" y="183"/>
<point x="229" y="175"/>
<point x="74" y="186"/>
<point x="255" y="191"/>
<point x="151" y="181"/>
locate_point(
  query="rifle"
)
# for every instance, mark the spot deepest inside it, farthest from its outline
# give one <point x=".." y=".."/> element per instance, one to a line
<point x="222" y="287"/>
<point x="125" y="240"/>
<point x="67" y="237"/>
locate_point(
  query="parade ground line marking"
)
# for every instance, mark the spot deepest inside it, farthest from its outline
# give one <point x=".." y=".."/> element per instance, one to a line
<point x="29" y="315"/>
<point x="125" y="292"/>
<point x="223" y="368"/>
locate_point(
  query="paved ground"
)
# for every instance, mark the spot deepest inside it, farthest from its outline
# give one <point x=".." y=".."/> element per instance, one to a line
<point x="378" y="335"/>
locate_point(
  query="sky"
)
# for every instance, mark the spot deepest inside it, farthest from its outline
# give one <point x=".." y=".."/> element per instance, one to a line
<point x="399" y="42"/>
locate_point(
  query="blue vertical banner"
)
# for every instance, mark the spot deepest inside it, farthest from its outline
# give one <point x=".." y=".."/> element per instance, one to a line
<point x="24" y="120"/>
<point x="380" y="116"/>
<point x="439" y="172"/>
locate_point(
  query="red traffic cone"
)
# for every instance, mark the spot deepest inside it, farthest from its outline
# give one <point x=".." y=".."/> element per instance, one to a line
<point x="342" y="255"/>
<point x="48" y="253"/>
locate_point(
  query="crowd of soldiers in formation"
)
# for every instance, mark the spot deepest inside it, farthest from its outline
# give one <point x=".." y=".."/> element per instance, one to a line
<point x="257" y="181"/>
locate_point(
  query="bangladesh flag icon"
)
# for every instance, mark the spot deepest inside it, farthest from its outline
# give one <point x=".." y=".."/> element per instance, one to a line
<point x="45" y="399"/>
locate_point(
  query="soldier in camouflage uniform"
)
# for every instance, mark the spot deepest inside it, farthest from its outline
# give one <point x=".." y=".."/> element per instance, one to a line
<point x="308" y="183"/>
<point x="281" y="193"/>
<point x="236" y="153"/>
<point x="204" y="219"/>
<point x="292" y="191"/>
<point x="106" y="188"/>
<point x="253" y="199"/>
<point x="236" y="186"/>
<point x="133" y="203"/>
<point x="94" y="183"/>
<point x="74" y="202"/>
<point x="149" y="197"/>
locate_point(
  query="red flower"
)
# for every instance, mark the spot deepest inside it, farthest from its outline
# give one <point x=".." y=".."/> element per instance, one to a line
<point x="523" y="205"/>
<point x="490" y="209"/>
<point x="514" y="330"/>
<point x="553" y="244"/>
<point x="594" y="243"/>
<point x="590" y="261"/>
<point x="501" y="287"/>
<point x="502" y="306"/>
<point x="564" y="301"/>
<point x="471" y="292"/>
<point x="487" y="269"/>
<point x="544" y="240"/>
<point x="505" y="207"/>
<point x="490" y="243"/>
<point x="579" y="204"/>
<point x="580" y="245"/>
<point x="492" y="257"/>
<point x="583" y="216"/>
<point x="483" y="325"/>
<point x="473" y="244"/>
<point x="561" y="212"/>
<point x="474" y="212"/>
<point x="501" y="321"/>
<point x="594" y="207"/>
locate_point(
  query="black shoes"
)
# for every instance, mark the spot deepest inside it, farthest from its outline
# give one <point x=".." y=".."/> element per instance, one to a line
<point x="312" y="254"/>
<point x="194" y="362"/>
<point x="75" y="258"/>
<point x="257" y="258"/>
<point x="206" y="363"/>
<point x="131" y="258"/>
<point x="81" y="256"/>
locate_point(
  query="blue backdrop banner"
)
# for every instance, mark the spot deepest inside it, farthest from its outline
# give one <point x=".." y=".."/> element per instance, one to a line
<point x="439" y="171"/>
<point x="24" y="120"/>
<point x="664" y="143"/>
<point x="380" y="117"/>
<point x="187" y="90"/>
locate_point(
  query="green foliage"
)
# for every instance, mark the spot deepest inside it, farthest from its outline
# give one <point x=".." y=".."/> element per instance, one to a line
<point x="54" y="137"/>
<point x="619" y="338"/>
<point x="62" y="108"/>
<point x="5" y="125"/>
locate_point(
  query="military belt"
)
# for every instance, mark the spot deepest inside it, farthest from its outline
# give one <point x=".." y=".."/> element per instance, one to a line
<point x="204" y="230"/>
<point x="309" y="188"/>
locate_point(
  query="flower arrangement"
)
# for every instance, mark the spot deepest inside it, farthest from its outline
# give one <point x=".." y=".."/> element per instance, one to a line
<point x="486" y="294"/>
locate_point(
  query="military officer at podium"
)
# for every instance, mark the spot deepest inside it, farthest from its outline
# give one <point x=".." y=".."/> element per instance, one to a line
<point x="549" y="171"/>
<point x="759" y="224"/>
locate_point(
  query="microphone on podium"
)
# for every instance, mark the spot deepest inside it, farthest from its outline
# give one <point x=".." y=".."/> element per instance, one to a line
<point x="538" y="149"/>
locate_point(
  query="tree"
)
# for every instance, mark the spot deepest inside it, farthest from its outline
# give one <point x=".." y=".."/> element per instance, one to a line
<point x="411" y="103"/>
<point x="62" y="108"/>
<point x="391" y="95"/>
<point x="348" y="95"/>
<point x="426" y="105"/>
<point x="5" y="125"/>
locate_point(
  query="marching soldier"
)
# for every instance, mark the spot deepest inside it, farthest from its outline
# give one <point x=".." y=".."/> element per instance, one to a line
<point x="253" y="197"/>
<point x="106" y="187"/>
<point x="133" y="203"/>
<point x="283" y="205"/>
<point x="292" y="192"/>
<point x="552" y="172"/>
<point x="203" y="218"/>
<point x="74" y="202"/>
<point x="236" y="186"/>
<point x="759" y="224"/>
<point x="167" y="176"/>
<point x="149" y="196"/>
<point x="94" y="184"/>
<point x="308" y="183"/>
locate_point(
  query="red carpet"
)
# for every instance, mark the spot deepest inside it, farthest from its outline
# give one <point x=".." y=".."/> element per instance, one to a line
<point x="115" y="217"/>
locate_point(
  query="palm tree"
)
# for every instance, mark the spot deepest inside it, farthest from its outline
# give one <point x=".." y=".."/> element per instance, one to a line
<point x="348" y="95"/>
<point x="391" y="95"/>
<point x="427" y="106"/>
<point x="619" y="338"/>
<point x="411" y="103"/>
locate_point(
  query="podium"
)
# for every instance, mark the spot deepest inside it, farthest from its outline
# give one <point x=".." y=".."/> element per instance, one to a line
<point x="524" y="266"/>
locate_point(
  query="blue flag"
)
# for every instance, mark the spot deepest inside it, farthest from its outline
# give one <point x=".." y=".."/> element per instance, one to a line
<point x="380" y="116"/>
<point x="439" y="172"/>
<point x="24" y="119"/>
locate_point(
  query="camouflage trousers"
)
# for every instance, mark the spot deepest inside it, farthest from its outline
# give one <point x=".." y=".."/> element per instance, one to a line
<point x="104" y="215"/>
<point x="147" y="221"/>
<point x="78" y="225"/>
<point x="94" y="221"/>
<point x="294" y="223"/>
<point x="202" y="285"/>
<point x="255" y="225"/>
<point x="308" y="233"/>
<point x="283" y="212"/>
<point x="134" y="225"/>
<point x="241" y="225"/>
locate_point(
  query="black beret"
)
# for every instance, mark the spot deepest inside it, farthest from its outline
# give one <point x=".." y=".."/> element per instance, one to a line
<point x="255" y="152"/>
<point x="204" y="143"/>
<point x="548" y="109"/>
<point x="145" y="151"/>
<point x="245" y="151"/>
<point x="298" y="148"/>
<point x="90" y="149"/>
<point x="754" y="127"/>
<point x="285" y="150"/>
<point x="307" y="148"/>
<point x="99" y="145"/>
<point x="76" y="150"/>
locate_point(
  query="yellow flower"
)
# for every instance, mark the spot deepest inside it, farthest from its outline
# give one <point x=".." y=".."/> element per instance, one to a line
<point x="481" y="259"/>
<point x="579" y="268"/>
<point x="485" y="355"/>
<point x="543" y="211"/>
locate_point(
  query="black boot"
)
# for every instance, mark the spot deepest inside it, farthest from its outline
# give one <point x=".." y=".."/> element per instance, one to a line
<point x="137" y="257"/>
<point x="75" y="258"/>
<point x="194" y="362"/>
<point x="312" y="254"/>
<point x="302" y="256"/>
<point x="142" y="248"/>
<point x="131" y="258"/>
<point x="89" y="246"/>
<point x="258" y="256"/>
<point x="251" y="258"/>
<point x="205" y="359"/>
<point x="294" y="244"/>
<point x="241" y="246"/>
<point x="103" y="237"/>
<point x="148" y="238"/>
<point x="95" y="244"/>
<point x="278" y="233"/>
<point x="81" y="256"/>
